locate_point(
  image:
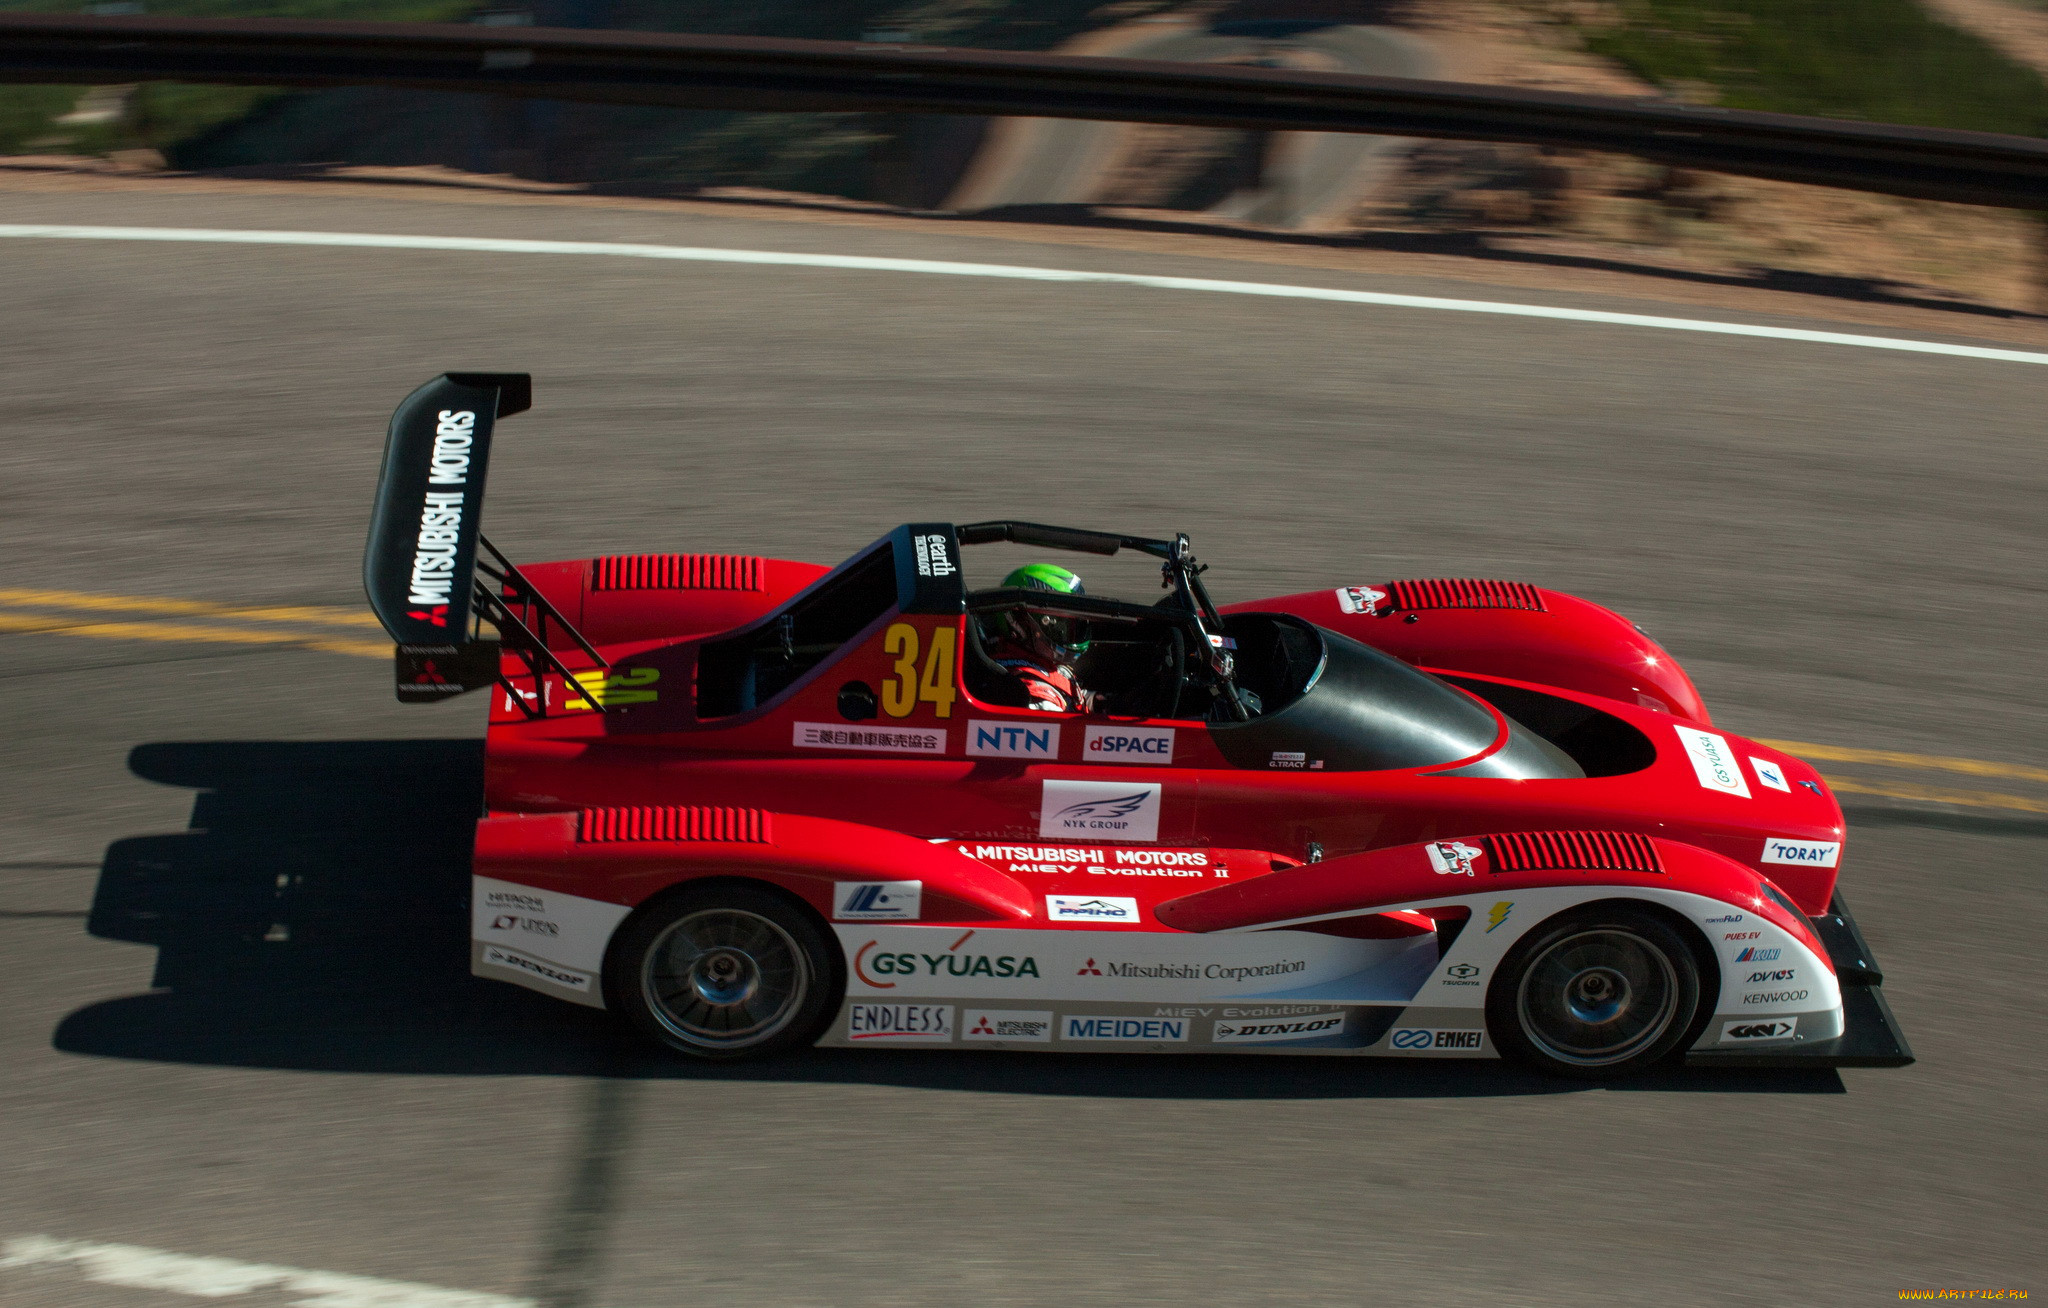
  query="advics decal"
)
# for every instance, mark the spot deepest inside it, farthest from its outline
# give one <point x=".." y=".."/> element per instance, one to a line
<point x="1099" y="810"/>
<point x="877" y="901"/>
<point x="1802" y="853"/>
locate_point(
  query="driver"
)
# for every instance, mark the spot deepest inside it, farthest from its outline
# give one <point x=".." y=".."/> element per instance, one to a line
<point x="1038" y="648"/>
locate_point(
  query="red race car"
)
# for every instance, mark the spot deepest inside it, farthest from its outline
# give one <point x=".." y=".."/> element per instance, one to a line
<point x="752" y="804"/>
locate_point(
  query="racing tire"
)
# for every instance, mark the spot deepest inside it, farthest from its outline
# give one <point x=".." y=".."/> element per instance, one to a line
<point x="725" y="971"/>
<point x="1595" y="994"/>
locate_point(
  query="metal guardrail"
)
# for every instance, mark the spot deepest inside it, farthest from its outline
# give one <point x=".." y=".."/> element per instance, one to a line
<point x="747" y="73"/>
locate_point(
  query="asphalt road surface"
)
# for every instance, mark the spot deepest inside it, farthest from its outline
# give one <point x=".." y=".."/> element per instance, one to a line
<point x="261" y="1045"/>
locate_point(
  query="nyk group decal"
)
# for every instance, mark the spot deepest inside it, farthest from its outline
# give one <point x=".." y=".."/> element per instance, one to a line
<point x="1099" y="810"/>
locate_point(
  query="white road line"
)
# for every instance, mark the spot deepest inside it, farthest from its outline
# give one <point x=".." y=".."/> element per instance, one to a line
<point x="1013" y="272"/>
<point x="220" y="1278"/>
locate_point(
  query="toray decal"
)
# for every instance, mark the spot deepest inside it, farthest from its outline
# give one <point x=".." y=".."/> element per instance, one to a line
<point x="1453" y="857"/>
<point x="1360" y="599"/>
<point x="1128" y="745"/>
<point x="986" y="739"/>
<point x="1769" y="773"/>
<point x="1099" y="810"/>
<point x="1712" y="761"/>
<point x="1802" y="853"/>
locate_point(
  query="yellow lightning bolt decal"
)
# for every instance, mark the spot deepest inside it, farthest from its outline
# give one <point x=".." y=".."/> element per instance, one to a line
<point x="1499" y="913"/>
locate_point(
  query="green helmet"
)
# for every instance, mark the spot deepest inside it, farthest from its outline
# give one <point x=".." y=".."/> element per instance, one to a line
<point x="1044" y="576"/>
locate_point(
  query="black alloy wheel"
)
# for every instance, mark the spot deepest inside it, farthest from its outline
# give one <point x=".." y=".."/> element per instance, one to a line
<point x="1596" y="993"/>
<point x="725" y="971"/>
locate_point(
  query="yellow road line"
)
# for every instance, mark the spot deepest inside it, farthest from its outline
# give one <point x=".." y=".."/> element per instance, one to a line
<point x="173" y="631"/>
<point x="1892" y="758"/>
<point x="67" y="599"/>
<point x="1938" y="794"/>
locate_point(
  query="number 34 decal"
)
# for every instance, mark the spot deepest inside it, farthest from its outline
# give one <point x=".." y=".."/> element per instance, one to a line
<point x="907" y="688"/>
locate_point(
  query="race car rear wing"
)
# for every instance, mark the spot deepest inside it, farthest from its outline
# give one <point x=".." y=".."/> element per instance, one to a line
<point x="425" y="582"/>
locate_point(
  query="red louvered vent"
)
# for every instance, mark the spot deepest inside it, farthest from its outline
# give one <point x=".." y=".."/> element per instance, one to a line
<point x="1465" y="593"/>
<point x="741" y="825"/>
<point x="1585" y="851"/>
<point x="678" y="572"/>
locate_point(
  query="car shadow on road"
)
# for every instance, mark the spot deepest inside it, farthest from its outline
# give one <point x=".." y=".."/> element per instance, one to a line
<point x="314" y="917"/>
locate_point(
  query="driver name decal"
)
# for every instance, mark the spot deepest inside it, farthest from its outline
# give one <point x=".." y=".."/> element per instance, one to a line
<point x="1099" y="810"/>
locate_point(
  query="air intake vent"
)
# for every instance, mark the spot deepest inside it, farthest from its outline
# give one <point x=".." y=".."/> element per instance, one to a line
<point x="1464" y="593"/>
<point x="740" y="825"/>
<point x="1584" y="851"/>
<point x="678" y="572"/>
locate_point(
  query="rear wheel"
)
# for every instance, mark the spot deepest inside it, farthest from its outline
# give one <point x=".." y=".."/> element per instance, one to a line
<point x="1595" y="994"/>
<point x="726" y="971"/>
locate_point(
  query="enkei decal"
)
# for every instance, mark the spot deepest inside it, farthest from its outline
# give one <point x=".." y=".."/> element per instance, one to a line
<point x="877" y="901"/>
<point x="1128" y="745"/>
<point x="889" y="740"/>
<point x="1360" y="599"/>
<point x="1033" y="1027"/>
<point x="1013" y="739"/>
<point x="1749" y="1029"/>
<point x="1412" y="1037"/>
<point x="1712" y="761"/>
<point x="1099" y="810"/>
<point x="907" y="687"/>
<point x="920" y="1024"/>
<point x="563" y="977"/>
<point x="1769" y="773"/>
<point x="1277" y="1030"/>
<point x="1802" y="853"/>
<point x="1090" y="908"/>
<point x="1124" y="1028"/>
<point x="1453" y="857"/>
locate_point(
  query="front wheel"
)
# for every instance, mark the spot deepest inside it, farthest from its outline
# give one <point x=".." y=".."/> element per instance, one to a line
<point x="1595" y="994"/>
<point x="725" y="971"/>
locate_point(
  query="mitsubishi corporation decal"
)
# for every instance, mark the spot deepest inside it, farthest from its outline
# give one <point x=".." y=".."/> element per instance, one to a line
<point x="1360" y="599"/>
<point x="1090" y="908"/>
<point x="1099" y="810"/>
<point x="1802" y="853"/>
<point x="1276" y="1030"/>
<point x="1712" y="761"/>
<point x="876" y="901"/>
<point x="1453" y="857"/>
